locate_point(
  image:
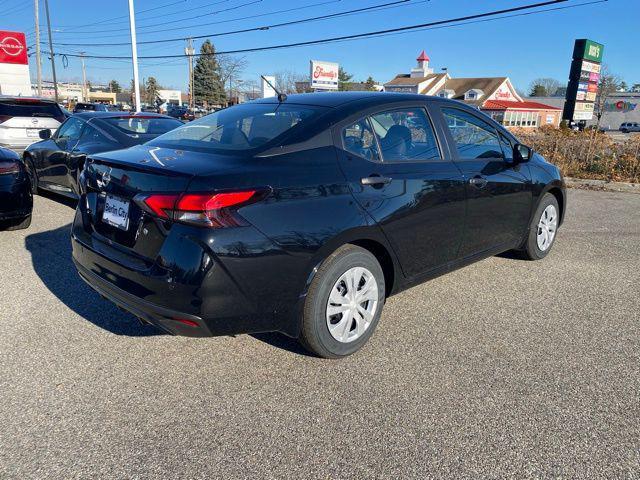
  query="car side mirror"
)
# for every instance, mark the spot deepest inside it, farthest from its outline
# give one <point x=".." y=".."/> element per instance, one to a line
<point x="45" y="134"/>
<point x="522" y="153"/>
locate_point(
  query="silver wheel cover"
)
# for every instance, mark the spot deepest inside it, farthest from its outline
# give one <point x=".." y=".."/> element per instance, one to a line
<point x="352" y="304"/>
<point x="547" y="227"/>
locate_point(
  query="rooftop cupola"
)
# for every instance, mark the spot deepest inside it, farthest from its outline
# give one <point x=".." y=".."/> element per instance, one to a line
<point x="422" y="70"/>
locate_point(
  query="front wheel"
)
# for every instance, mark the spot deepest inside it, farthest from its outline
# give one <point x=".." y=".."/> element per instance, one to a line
<point x="543" y="228"/>
<point x="344" y="303"/>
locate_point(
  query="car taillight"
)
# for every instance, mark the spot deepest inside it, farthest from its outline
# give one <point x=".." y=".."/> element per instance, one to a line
<point x="214" y="210"/>
<point x="9" y="167"/>
<point x="4" y="118"/>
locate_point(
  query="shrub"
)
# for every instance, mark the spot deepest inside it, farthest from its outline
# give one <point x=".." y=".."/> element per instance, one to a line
<point x="587" y="154"/>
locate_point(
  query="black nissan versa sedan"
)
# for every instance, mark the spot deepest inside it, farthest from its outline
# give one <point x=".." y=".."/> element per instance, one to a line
<point x="303" y="215"/>
<point x="54" y="162"/>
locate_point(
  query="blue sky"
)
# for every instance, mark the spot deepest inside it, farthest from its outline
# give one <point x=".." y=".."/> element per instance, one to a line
<point x="522" y="48"/>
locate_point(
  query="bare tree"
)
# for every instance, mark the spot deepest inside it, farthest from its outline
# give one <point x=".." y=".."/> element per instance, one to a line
<point x="607" y="86"/>
<point x="231" y="69"/>
<point x="286" y="80"/>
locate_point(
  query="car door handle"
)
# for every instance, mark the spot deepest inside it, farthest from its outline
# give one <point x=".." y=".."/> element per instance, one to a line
<point x="478" y="182"/>
<point x="375" y="180"/>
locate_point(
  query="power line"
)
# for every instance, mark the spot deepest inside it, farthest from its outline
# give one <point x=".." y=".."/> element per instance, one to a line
<point x="246" y="4"/>
<point x="159" y="7"/>
<point x="247" y="17"/>
<point x="250" y="29"/>
<point x="369" y="34"/>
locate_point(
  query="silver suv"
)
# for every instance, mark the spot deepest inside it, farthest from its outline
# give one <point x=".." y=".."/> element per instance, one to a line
<point x="22" y="118"/>
<point x="627" y="127"/>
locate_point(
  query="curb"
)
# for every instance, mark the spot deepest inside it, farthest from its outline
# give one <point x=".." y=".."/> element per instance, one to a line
<point x="602" y="185"/>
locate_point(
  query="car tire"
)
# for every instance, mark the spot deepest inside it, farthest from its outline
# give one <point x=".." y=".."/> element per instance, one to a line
<point x="21" y="225"/>
<point x="338" y="334"/>
<point x="543" y="229"/>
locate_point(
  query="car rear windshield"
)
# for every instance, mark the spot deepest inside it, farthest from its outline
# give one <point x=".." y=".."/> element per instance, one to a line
<point x="29" y="108"/>
<point x="239" y="128"/>
<point x="136" y="126"/>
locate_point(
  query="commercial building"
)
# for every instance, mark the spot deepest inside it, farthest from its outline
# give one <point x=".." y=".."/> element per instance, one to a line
<point x="618" y="108"/>
<point x="496" y="96"/>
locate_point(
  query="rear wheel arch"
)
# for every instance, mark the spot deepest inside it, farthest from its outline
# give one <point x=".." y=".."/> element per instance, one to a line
<point x="384" y="258"/>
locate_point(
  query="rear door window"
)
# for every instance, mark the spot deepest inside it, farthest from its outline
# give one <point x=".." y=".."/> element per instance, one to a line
<point x="405" y="135"/>
<point x="473" y="137"/>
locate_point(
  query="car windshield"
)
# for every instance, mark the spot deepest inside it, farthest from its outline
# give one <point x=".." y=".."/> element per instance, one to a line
<point x="140" y="125"/>
<point x="28" y="108"/>
<point x="239" y="128"/>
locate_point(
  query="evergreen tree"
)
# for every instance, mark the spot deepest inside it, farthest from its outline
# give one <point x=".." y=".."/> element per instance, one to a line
<point x="151" y="91"/>
<point x="343" y="79"/>
<point x="207" y="85"/>
<point x="114" y="86"/>
<point x="369" y="84"/>
<point x="538" y="91"/>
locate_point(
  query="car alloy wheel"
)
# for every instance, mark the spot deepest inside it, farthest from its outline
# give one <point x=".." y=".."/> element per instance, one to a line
<point x="547" y="227"/>
<point x="352" y="304"/>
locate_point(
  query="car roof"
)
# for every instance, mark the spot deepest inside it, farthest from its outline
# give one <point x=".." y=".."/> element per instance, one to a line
<point x="86" y="115"/>
<point x="336" y="99"/>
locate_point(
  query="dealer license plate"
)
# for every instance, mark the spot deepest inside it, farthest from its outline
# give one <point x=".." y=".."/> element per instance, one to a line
<point x="33" y="132"/>
<point x="116" y="212"/>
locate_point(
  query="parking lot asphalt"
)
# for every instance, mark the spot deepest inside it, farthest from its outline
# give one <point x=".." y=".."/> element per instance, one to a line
<point x="506" y="368"/>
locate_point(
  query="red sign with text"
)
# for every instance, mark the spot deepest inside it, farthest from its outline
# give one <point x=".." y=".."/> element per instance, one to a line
<point x="13" y="48"/>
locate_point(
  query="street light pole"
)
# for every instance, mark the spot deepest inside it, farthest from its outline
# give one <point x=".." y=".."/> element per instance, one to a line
<point x="189" y="51"/>
<point x="85" y="93"/>
<point x="134" y="55"/>
<point x="38" y="59"/>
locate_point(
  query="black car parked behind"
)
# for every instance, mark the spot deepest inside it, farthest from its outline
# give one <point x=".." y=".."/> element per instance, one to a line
<point x="55" y="162"/>
<point x="303" y="216"/>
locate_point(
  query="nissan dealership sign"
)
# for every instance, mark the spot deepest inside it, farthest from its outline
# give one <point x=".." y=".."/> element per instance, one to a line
<point x="13" y="48"/>
<point x="324" y="75"/>
<point x="14" y="64"/>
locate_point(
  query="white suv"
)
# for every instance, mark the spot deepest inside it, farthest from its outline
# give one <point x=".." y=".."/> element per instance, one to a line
<point x="627" y="127"/>
<point x="22" y="118"/>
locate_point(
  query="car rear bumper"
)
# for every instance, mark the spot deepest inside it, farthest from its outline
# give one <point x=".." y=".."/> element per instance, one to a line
<point x="197" y="306"/>
<point x="15" y="199"/>
<point x="171" y="321"/>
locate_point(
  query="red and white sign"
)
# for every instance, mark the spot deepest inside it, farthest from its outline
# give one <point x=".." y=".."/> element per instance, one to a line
<point x="13" y="48"/>
<point x="324" y="75"/>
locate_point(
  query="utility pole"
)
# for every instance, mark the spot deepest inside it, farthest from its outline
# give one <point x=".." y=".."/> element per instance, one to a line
<point x="85" y="93"/>
<point x="189" y="51"/>
<point x="38" y="59"/>
<point x="134" y="54"/>
<point x="53" y="60"/>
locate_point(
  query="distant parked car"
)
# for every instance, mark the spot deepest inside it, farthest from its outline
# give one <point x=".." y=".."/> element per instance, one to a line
<point x="21" y="118"/>
<point x="55" y="162"/>
<point x="16" y="200"/>
<point x="90" y="107"/>
<point x="627" y="127"/>
<point x="181" y="113"/>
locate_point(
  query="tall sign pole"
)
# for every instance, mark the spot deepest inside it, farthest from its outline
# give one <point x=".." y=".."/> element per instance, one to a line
<point x="53" y="60"/>
<point x="134" y="55"/>
<point x="36" y="13"/>
<point x="85" y="92"/>
<point x="584" y="76"/>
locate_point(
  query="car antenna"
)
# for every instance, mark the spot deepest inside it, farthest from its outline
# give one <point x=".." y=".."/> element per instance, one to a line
<point x="281" y="96"/>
